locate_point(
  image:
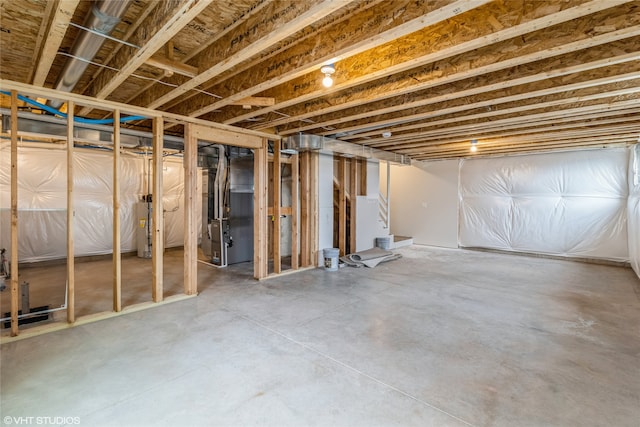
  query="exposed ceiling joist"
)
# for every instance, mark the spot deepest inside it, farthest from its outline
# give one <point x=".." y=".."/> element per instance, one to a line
<point x="58" y="27"/>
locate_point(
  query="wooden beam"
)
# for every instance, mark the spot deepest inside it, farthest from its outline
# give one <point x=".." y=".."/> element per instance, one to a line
<point x="71" y="281"/>
<point x="57" y="30"/>
<point x="501" y="132"/>
<point x="157" y="240"/>
<point x="14" y="213"/>
<point x="461" y="108"/>
<point x="260" y="230"/>
<point x="172" y="66"/>
<point x="536" y="148"/>
<point x="256" y="101"/>
<point x="277" y="203"/>
<point x="514" y="115"/>
<point x="26" y="89"/>
<point x="515" y="124"/>
<point x="228" y="137"/>
<point x="365" y="68"/>
<point x="47" y="18"/>
<point x="295" y="206"/>
<point x="372" y="27"/>
<point x="140" y="19"/>
<point x="190" y="164"/>
<point x="165" y="21"/>
<point x="288" y="18"/>
<point x="451" y="91"/>
<point x="448" y="72"/>
<point x="117" y="264"/>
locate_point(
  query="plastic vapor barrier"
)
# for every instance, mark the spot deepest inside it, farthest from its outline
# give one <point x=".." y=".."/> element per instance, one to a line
<point x="42" y="201"/>
<point x="633" y="211"/>
<point x="571" y="204"/>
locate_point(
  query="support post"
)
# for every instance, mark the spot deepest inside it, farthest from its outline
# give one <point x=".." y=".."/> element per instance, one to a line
<point x="277" y="183"/>
<point x="117" y="265"/>
<point x="295" y="194"/>
<point x="71" y="298"/>
<point x="260" y="241"/>
<point x="305" y="228"/>
<point x="353" y="196"/>
<point x="157" y="217"/>
<point x="190" y="163"/>
<point x="14" y="213"/>
<point x="342" y="205"/>
<point x="314" y="165"/>
<point x="363" y="177"/>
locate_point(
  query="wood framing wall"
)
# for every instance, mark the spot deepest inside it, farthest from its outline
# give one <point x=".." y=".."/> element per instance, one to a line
<point x="194" y="130"/>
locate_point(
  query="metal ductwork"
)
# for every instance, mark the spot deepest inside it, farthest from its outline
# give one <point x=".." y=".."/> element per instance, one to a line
<point x="306" y="142"/>
<point x="103" y="18"/>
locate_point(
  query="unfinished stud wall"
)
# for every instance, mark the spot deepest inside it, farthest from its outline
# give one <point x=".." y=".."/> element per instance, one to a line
<point x="42" y="201"/>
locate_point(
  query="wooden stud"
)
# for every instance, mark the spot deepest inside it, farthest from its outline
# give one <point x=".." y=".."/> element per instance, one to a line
<point x="342" y="205"/>
<point x="305" y="210"/>
<point x="157" y="240"/>
<point x="362" y="191"/>
<point x="71" y="294"/>
<point x="14" y="213"/>
<point x="353" y="192"/>
<point x="117" y="265"/>
<point x="260" y="230"/>
<point x="314" y="167"/>
<point x="277" y="203"/>
<point x="190" y="164"/>
<point x="295" y="194"/>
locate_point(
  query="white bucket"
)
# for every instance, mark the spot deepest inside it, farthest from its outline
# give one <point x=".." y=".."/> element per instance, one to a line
<point x="383" y="243"/>
<point x="331" y="258"/>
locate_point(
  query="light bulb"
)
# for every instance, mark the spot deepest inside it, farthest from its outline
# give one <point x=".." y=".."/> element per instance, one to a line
<point x="327" y="81"/>
<point x="474" y="148"/>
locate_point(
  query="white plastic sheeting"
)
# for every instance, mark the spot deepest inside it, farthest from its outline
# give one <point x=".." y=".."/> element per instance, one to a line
<point x="572" y="204"/>
<point x="42" y="195"/>
<point x="633" y="211"/>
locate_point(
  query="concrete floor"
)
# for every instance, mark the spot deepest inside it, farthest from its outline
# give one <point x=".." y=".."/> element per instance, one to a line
<point x="438" y="338"/>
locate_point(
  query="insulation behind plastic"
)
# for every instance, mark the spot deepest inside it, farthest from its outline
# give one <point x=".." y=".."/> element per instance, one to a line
<point x="42" y="180"/>
<point x="571" y="204"/>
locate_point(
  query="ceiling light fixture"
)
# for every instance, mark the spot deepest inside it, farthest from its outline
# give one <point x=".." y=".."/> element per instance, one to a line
<point x="474" y="145"/>
<point x="327" y="70"/>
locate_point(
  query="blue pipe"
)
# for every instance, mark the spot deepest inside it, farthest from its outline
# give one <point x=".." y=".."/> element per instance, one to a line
<point x="75" y="118"/>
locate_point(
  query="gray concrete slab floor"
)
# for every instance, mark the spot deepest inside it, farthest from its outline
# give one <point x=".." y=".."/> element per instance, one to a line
<point x="438" y="338"/>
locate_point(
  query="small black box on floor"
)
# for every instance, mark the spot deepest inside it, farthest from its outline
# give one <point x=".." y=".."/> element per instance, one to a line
<point x="30" y="319"/>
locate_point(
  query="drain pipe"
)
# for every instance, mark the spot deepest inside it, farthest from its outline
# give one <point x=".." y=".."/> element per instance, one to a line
<point x="103" y="18"/>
